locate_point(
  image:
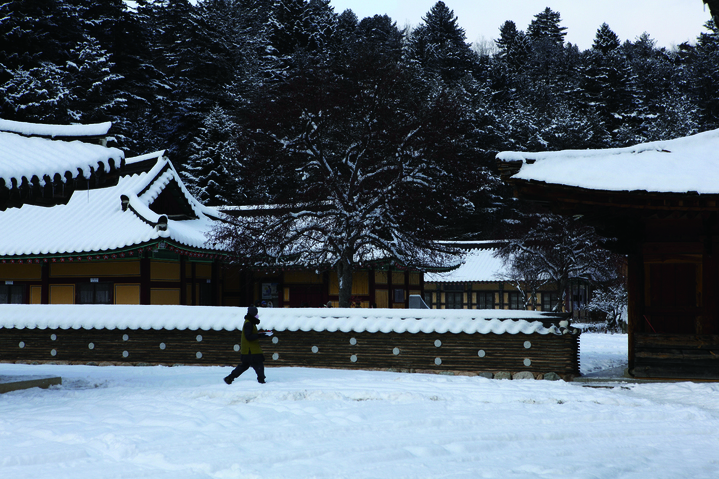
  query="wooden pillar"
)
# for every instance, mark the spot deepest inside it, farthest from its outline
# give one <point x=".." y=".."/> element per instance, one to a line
<point x="216" y="286"/>
<point x="45" y="283"/>
<point x="635" y="303"/>
<point x="372" y="287"/>
<point x="183" y="281"/>
<point x="145" y="278"/>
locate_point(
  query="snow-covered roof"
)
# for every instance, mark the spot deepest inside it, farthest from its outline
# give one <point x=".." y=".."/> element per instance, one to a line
<point x="689" y="164"/>
<point x="28" y="156"/>
<point x="482" y="321"/>
<point x="53" y="131"/>
<point x="106" y="219"/>
<point x="479" y="265"/>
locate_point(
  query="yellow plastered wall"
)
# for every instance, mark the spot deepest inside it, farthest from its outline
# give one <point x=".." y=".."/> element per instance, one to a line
<point x="380" y="277"/>
<point x="17" y="272"/>
<point x="164" y="271"/>
<point x="414" y="278"/>
<point x="360" y="283"/>
<point x="397" y="278"/>
<point x="62" y="294"/>
<point x="35" y="294"/>
<point x="302" y="277"/>
<point x="95" y="269"/>
<point x="165" y="296"/>
<point x="127" y="294"/>
<point x="203" y="270"/>
<point x="381" y="297"/>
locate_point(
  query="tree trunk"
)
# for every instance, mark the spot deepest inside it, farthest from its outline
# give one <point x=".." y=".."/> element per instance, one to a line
<point x="344" y="276"/>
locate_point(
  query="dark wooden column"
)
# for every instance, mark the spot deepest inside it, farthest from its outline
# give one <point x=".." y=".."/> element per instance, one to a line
<point x="145" y="278"/>
<point x="635" y="306"/>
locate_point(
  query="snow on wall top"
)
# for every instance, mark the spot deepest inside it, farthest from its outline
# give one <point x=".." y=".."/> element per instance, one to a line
<point x="40" y="129"/>
<point x="673" y="166"/>
<point x="479" y="265"/>
<point x="25" y="157"/>
<point x="277" y="319"/>
<point x="93" y="220"/>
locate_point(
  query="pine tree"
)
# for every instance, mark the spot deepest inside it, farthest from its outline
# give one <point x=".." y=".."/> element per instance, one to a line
<point x="211" y="172"/>
<point x="605" y="40"/>
<point x="439" y="45"/>
<point x="545" y="27"/>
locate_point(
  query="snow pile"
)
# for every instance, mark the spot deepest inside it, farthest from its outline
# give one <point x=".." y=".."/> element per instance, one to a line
<point x="185" y="423"/>
<point x="689" y="164"/>
<point x="25" y="157"/>
<point x="482" y="321"/>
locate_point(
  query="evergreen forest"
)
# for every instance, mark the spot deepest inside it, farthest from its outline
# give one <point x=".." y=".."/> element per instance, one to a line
<point x="240" y="92"/>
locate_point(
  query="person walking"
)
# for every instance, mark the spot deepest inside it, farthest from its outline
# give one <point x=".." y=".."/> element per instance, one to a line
<point x="251" y="355"/>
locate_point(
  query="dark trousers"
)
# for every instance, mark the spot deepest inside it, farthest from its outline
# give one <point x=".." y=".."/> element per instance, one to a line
<point x="254" y="361"/>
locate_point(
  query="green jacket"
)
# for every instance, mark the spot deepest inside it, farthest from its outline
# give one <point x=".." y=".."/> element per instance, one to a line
<point x="250" y="343"/>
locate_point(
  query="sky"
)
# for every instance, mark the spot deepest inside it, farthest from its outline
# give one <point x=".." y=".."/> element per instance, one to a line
<point x="669" y="22"/>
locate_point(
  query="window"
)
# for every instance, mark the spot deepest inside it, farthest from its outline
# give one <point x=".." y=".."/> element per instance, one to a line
<point x="485" y="300"/>
<point x="549" y="301"/>
<point x="428" y="298"/>
<point x="399" y="296"/>
<point x="94" y="293"/>
<point x="12" y="293"/>
<point x="453" y="300"/>
<point x="515" y="300"/>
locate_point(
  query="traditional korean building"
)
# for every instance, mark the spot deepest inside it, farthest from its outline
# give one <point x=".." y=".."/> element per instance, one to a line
<point x="482" y="282"/>
<point x="141" y="241"/>
<point x="660" y="200"/>
<point x="45" y="164"/>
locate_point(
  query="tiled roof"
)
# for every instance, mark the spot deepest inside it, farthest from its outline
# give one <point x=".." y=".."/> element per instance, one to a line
<point x="480" y="265"/>
<point x="682" y="165"/>
<point x="99" y="220"/>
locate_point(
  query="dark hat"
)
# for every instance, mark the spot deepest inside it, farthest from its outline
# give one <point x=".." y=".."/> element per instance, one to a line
<point x="252" y="311"/>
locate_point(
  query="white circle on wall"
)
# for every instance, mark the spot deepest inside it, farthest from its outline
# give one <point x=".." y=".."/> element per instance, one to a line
<point x="353" y="341"/>
<point x="481" y="353"/>
<point x="125" y="337"/>
<point x="275" y="356"/>
<point x="53" y="353"/>
<point x="437" y="361"/>
<point x="162" y="346"/>
<point x="527" y="362"/>
<point x="353" y="358"/>
<point x="527" y="345"/>
<point x="275" y="340"/>
<point x="199" y="338"/>
<point x="125" y="354"/>
<point x="198" y="355"/>
<point x="437" y="343"/>
<point x="237" y="347"/>
<point x="53" y="337"/>
<point x="315" y="349"/>
<point x="22" y="344"/>
<point x="91" y="346"/>
<point x="395" y="351"/>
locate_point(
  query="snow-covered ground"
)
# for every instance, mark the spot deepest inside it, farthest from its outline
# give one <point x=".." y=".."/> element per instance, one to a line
<point x="184" y="422"/>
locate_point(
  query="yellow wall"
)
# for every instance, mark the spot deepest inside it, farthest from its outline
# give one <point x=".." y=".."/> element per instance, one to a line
<point x="35" y="294"/>
<point x="164" y="271"/>
<point x="303" y="277"/>
<point x="360" y="283"/>
<point x="17" y="272"/>
<point x="414" y="278"/>
<point x="165" y="296"/>
<point x="127" y="294"/>
<point x="95" y="269"/>
<point x="380" y="277"/>
<point x="62" y="294"/>
<point x="203" y="270"/>
<point x="381" y="298"/>
<point x="397" y="278"/>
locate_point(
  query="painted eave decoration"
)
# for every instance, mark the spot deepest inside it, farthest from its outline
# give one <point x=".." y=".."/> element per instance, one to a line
<point x="111" y="222"/>
<point x="679" y="166"/>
